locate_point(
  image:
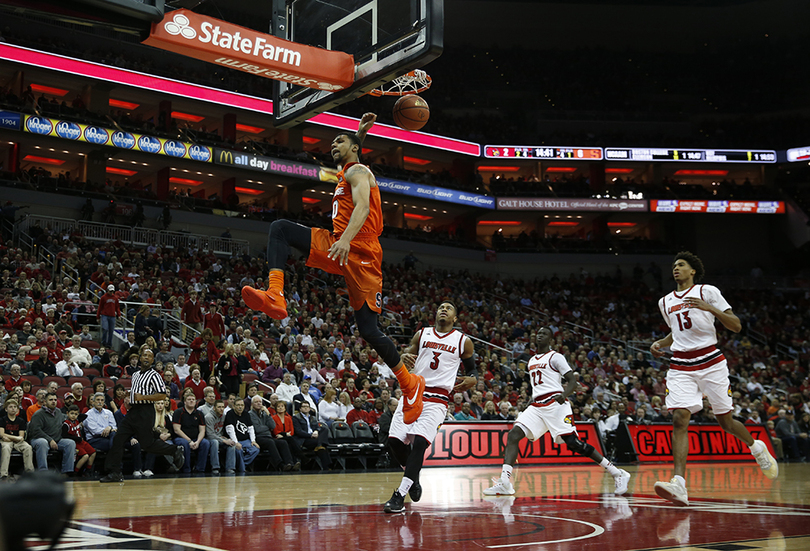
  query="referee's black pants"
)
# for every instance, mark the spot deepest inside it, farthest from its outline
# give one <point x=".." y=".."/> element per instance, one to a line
<point x="138" y="424"/>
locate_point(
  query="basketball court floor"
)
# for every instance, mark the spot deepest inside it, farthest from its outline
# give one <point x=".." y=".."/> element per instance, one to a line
<point x="732" y="507"/>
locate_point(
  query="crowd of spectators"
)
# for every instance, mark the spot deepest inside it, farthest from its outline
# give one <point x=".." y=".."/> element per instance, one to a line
<point x="603" y="324"/>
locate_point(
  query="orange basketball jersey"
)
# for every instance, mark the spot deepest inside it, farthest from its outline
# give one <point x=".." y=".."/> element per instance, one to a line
<point x="343" y="206"/>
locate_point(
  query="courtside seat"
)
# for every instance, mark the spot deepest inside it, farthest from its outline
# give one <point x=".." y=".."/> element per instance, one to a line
<point x="343" y="445"/>
<point x="367" y="442"/>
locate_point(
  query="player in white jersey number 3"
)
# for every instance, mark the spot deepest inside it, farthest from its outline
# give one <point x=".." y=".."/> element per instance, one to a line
<point x="551" y="412"/>
<point x="435" y="353"/>
<point x="697" y="367"/>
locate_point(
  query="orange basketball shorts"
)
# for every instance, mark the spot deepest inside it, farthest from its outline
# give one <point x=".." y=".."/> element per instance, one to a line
<point x="362" y="271"/>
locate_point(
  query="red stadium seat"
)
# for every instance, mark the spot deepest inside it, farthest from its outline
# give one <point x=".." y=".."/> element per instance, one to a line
<point x="91" y="345"/>
<point x="35" y="381"/>
<point x="90" y="372"/>
<point x="126" y="383"/>
<point x="87" y="391"/>
<point x="109" y="382"/>
<point x="249" y="377"/>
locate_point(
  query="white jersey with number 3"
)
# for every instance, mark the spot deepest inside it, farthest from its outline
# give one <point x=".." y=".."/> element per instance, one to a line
<point x="692" y="328"/>
<point x="439" y="357"/>
<point x="546" y="372"/>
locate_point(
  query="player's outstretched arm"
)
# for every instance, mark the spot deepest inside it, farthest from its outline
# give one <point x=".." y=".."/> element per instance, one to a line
<point x="409" y="356"/>
<point x="657" y="348"/>
<point x="366" y="122"/>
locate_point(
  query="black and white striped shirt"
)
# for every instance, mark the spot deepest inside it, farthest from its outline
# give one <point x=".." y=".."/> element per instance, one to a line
<point x="146" y="383"/>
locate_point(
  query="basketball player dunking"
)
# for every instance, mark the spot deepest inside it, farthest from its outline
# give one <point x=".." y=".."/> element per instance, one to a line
<point x="697" y="367"/>
<point x="435" y="354"/>
<point x="550" y="411"/>
<point x="352" y="249"/>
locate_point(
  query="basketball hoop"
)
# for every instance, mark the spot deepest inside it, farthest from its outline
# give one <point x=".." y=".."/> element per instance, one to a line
<point x="415" y="82"/>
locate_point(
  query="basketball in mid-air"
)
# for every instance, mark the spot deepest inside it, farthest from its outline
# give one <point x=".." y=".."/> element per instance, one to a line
<point x="411" y="112"/>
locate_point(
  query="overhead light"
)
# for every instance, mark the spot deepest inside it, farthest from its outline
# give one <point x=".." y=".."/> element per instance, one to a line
<point x="566" y="169"/>
<point x="249" y="129"/>
<point x="49" y="90"/>
<point x="499" y="222"/>
<point x="186" y="116"/>
<point x="619" y="170"/>
<point x="310" y="140"/>
<point x="692" y="172"/>
<point x="489" y="168"/>
<point x="563" y="223"/>
<point x="248" y="191"/>
<point x="412" y="216"/>
<point x="128" y="105"/>
<point x="416" y="161"/>
<point x="185" y="181"/>
<point x="43" y="160"/>
<point x="121" y="171"/>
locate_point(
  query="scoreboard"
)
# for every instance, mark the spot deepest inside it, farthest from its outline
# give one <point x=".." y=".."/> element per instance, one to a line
<point x="542" y="152"/>
<point x="756" y="156"/>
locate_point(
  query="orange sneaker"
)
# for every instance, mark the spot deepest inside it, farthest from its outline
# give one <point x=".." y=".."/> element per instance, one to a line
<point x="270" y="302"/>
<point x="413" y="399"/>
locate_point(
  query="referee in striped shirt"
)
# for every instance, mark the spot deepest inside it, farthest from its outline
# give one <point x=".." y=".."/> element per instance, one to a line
<point x="147" y="388"/>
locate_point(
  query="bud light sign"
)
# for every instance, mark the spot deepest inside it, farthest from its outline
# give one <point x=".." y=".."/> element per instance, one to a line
<point x="39" y="125"/>
<point x="148" y="144"/>
<point x="173" y="148"/>
<point x="68" y="130"/>
<point x="199" y="153"/>
<point x="96" y="135"/>
<point x="124" y="140"/>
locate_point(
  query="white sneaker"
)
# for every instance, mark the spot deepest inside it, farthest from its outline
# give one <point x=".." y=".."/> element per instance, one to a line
<point x="137" y="474"/>
<point x="147" y="473"/>
<point x="501" y="487"/>
<point x="672" y="491"/>
<point x="766" y="462"/>
<point x="621" y="480"/>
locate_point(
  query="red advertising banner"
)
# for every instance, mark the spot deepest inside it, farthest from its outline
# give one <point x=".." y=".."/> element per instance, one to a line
<point x="483" y="443"/>
<point x="215" y="41"/>
<point x="751" y="207"/>
<point x="653" y="443"/>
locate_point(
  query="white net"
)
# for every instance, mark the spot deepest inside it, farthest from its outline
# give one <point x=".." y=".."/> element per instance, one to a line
<point x="411" y="83"/>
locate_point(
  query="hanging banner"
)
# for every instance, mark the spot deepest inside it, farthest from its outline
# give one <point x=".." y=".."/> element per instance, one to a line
<point x="228" y="45"/>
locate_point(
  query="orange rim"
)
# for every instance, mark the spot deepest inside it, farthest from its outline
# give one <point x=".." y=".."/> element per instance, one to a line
<point x="415" y="82"/>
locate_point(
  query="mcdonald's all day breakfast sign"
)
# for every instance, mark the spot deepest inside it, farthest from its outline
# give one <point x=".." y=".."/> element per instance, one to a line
<point x="215" y="41"/>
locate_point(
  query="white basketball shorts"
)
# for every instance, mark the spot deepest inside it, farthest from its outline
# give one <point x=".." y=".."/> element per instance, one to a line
<point x="427" y="425"/>
<point x="685" y="389"/>
<point x="558" y="419"/>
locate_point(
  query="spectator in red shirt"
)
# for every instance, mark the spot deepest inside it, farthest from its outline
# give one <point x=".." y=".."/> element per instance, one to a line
<point x="196" y="384"/>
<point x="214" y="321"/>
<point x="108" y="309"/>
<point x="191" y="314"/>
<point x="357" y="413"/>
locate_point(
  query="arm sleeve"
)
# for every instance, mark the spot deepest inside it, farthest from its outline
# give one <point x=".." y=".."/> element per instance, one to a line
<point x="231" y="432"/>
<point x="252" y="433"/>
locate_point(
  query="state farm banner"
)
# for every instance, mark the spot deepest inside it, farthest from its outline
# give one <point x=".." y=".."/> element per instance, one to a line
<point x="749" y="207"/>
<point x="483" y="443"/>
<point x="579" y="205"/>
<point x="216" y="41"/>
<point x="653" y="443"/>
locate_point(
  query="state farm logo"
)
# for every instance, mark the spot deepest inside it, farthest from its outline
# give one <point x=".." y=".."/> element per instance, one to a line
<point x="180" y="25"/>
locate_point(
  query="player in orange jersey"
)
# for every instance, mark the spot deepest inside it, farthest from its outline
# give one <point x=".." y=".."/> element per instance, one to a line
<point x="352" y="249"/>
